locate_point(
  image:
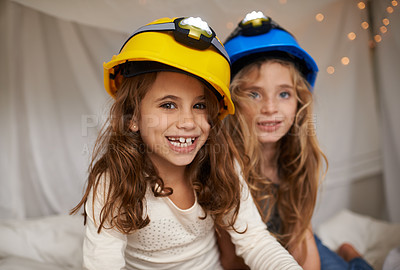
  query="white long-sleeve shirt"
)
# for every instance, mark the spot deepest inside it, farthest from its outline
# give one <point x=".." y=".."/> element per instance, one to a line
<point x="179" y="239"/>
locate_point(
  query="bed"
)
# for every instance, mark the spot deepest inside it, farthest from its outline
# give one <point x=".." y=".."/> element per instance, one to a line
<point x="373" y="238"/>
<point x="55" y="242"/>
<point x="50" y="243"/>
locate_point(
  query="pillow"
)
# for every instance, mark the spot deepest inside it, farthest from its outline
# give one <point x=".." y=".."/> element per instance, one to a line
<point x="392" y="261"/>
<point x="371" y="237"/>
<point x="53" y="239"/>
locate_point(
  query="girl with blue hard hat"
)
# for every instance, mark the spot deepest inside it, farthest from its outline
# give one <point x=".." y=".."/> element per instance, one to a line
<point x="274" y="128"/>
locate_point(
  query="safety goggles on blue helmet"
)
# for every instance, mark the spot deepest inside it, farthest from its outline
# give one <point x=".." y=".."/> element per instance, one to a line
<point x="259" y="36"/>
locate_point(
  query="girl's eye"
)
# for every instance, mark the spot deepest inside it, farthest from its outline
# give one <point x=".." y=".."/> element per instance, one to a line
<point x="254" y="95"/>
<point x="168" y="105"/>
<point x="200" y="106"/>
<point x="284" y="95"/>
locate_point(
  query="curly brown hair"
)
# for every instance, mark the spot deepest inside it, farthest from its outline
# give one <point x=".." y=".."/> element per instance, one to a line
<point x="299" y="159"/>
<point x="121" y="154"/>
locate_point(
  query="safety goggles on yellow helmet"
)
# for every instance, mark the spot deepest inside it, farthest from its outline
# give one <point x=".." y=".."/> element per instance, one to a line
<point x="185" y="45"/>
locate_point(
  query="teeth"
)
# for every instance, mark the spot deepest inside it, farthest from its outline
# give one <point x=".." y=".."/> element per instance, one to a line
<point x="268" y="124"/>
<point x="180" y="141"/>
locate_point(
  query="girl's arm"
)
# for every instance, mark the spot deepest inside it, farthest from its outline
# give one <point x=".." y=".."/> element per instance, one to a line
<point x="104" y="250"/>
<point x="259" y="249"/>
<point x="228" y="258"/>
<point x="312" y="261"/>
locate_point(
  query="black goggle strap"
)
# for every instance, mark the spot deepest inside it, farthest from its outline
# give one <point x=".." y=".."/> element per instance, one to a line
<point x="220" y="48"/>
<point x="151" y="28"/>
<point x="183" y="36"/>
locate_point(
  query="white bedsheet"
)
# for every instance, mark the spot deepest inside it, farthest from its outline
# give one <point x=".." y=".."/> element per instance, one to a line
<point x="21" y="263"/>
<point x="55" y="243"/>
<point x="45" y="243"/>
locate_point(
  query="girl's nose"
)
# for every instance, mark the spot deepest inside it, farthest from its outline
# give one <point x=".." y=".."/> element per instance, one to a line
<point x="186" y="121"/>
<point x="269" y="106"/>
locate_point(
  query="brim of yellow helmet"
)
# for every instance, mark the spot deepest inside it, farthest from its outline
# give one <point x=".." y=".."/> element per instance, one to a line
<point x="143" y="67"/>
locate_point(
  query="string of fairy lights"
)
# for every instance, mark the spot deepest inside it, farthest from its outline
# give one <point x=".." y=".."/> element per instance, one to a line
<point x="378" y="33"/>
<point x="389" y="7"/>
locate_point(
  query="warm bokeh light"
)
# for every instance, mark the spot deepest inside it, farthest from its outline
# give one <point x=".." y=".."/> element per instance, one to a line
<point x="345" y="60"/>
<point x="383" y="29"/>
<point x="229" y="25"/>
<point x="394" y="3"/>
<point x="386" y="21"/>
<point x="364" y="25"/>
<point x="142" y="2"/>
<point x="361" y="5"/>
<point x="319" y="17"/>
<point x="283" y="1"/>
<point x="330" y="69"/>
<point x="377" y="38"/>
<point x="389" y="10"/>
<point x="351" y="36"/>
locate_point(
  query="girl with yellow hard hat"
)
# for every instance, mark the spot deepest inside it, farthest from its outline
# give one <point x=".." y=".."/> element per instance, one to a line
<point x="165" y="171"/>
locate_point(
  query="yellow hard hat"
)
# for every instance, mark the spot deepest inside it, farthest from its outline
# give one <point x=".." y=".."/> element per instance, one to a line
<point x="182" y="44"/>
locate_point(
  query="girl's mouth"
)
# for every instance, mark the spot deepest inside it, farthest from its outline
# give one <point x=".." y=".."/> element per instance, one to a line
<point x="269" y="126"/>
<point x="269" y="123"/>
<point x="182" y="141"/>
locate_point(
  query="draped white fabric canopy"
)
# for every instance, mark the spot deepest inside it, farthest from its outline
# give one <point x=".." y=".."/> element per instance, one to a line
<point x="52" y="99"/>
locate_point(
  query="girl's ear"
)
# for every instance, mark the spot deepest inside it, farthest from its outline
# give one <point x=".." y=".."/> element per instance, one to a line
<point x="134" y="126"/>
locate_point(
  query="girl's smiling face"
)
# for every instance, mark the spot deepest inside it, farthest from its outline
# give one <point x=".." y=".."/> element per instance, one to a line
<point x="173" y="119"/>
<point x="271" y="102"/>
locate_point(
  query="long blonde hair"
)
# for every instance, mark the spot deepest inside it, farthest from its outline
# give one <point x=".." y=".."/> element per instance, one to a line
<point x="121" y="154"/>
<point x="299" y="159"/>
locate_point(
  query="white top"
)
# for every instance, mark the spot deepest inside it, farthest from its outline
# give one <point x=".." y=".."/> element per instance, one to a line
<point x="178" y="239"/>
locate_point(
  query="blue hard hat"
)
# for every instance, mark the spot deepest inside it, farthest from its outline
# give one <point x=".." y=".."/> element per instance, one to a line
<point x="259" y="36"/>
